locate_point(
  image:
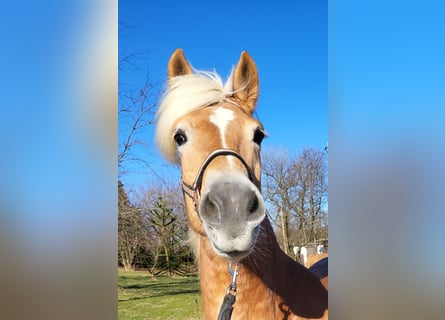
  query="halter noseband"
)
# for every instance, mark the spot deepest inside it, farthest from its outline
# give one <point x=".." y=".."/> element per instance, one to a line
<point x="194" y="190"/>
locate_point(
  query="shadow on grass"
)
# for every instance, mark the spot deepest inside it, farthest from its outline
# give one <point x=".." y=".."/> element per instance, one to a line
<point x="162" y="294"/>
<point x="161" y="287"/>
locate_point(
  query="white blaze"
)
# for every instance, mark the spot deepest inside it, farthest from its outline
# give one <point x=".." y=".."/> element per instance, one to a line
<point x="221" y="118"/>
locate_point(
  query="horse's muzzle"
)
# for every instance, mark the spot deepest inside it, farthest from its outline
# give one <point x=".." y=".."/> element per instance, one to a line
<point x="231" y="209"/>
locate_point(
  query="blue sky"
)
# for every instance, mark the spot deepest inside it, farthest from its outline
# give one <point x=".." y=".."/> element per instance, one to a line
<point x="287" y="40"/>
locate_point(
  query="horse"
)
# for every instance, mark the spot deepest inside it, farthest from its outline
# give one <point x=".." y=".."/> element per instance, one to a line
<point x="207" y="128"/>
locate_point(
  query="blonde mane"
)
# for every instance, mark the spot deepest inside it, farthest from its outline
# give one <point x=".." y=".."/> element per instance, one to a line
<point x="185" y="94"/>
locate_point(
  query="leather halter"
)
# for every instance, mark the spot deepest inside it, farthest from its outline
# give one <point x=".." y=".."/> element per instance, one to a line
<point x="194" y="190"/>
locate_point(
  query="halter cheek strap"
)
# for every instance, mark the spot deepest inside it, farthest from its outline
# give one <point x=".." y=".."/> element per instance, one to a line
<point x="194" y="190"/>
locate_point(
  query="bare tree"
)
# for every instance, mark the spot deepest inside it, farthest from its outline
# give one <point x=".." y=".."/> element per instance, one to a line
<point x="136" y="113"/>
<point x="131" y="233"/>
<point x="137" y="106"/>
<point x="311" y="171"/>
<point x="279" y="187"/>
<point x="296" y="188"/>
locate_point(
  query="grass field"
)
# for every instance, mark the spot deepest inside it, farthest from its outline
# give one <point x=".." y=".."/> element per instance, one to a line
<point x="141" y="297"/>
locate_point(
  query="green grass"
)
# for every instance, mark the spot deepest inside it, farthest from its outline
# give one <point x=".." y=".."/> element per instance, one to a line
<point x="141" y="297"/>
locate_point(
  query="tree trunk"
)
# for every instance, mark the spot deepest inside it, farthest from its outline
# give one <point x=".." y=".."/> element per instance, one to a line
<point x="167" y="258"/>
<point x="285" y="228"/>
<point x="127" y="264"/>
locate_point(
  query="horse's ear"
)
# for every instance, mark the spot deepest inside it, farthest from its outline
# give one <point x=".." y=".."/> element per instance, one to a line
<point x="178" y="65"/>
<point x="245" y="82"/>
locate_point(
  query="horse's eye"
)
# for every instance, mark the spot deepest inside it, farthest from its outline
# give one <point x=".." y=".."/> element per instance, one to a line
<point x="180" y="138"/>
<point x="258" y="136"/>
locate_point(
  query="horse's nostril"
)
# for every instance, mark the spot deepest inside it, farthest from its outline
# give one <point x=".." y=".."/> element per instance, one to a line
<point x="210" y="210"/>
<point x="210" y="206"/>
<point x="253" y="204"/>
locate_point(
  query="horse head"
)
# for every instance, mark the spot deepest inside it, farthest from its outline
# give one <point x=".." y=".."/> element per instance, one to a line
<point x="207" y="127"/>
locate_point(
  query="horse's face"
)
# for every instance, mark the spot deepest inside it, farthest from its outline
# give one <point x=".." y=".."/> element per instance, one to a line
<point x="230" y="207"/>
<point x="222" y="192"/>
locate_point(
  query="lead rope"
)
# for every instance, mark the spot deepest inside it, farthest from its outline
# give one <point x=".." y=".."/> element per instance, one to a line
<point x="225" y="312"/>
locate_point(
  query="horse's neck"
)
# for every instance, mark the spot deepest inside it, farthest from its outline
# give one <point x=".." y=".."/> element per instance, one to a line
<point x="270" y="285"/>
